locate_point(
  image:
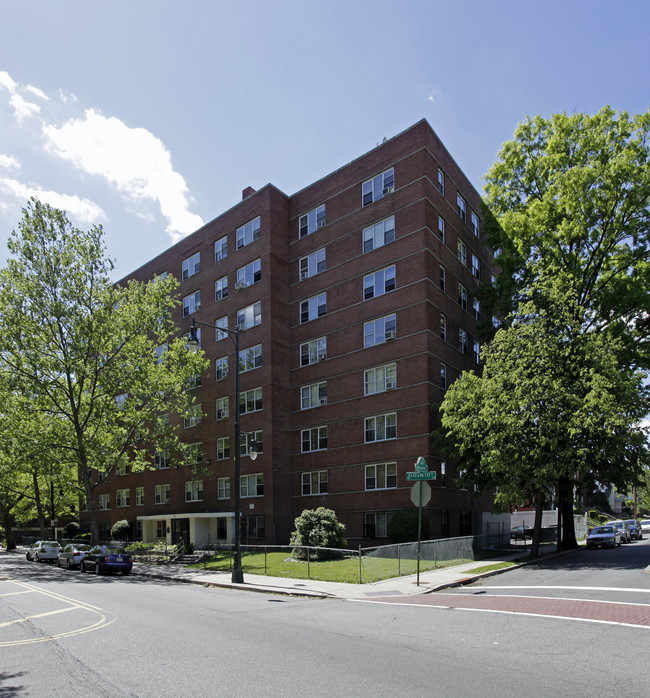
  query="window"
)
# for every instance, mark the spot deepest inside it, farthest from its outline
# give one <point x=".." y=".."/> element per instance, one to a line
<point x="441" y="181"/>
<point x="161" y="460"/>
<point x="462" y="296"/>
<point x="475" y="224"/>
<point x="250" y="358"/>
<point x="104" y="502"/>
<point x="162" y="494"/>
<point x="194" y="416"/>
<point x="247" y="439"/>
<point x="313" y="395"/>
<point x="160" y="351"/>
<point x="465" y="524"/>
<point x="443" y="376"/>
<point x="223" y="405"/>
<point x="251" y="485"/>
<point x="122" y="498"/>
<point x="443" y="474"/>
<point x="477" y="351"/>
<point x="194" y="491"/>
<point x="314" y="483"/>
<point x="460" y="207"/>
<point x="382" y="476"/>
<point x="313" y="351"/>
<point x="139" y="496"/>
<point x="313" y="308"/>
<point x="250" y="401"/>
<point x="462" y="341"/>
<point x="462" y="253"/>
<point x="252" y="527"/>
<point x="476" y="309"/>
<point x="314" y="439"/>
<point x="221" y="249"/>
<point x="221" y="322"/>
<point x="221" y="368"/>
<point x="476" y="267"/>
<point x="379" y="282"/>
<point x="443" y="327"/>
<point x="191" y="265"/>
<point x="444" y="522"/>
<point x="249" y="275"/>
<point x="193" y="453"/>
<point x="248" y="233"/>
<point x="441" y="229"/>
<point x="223" y="488"/>
<point x="191" y="303"/>
<point x="378" y="187"/>
<point x="161" y="527"/>
<point x="250" y="316"/>
<point x="312" y="221"/>
<point x="443" y="278"/>
<point x="221" y="288"/>
<point x="379" y="331"/>
<point x="223" y="448"/>
<point x="375" y="525"/>
<point x="379" y="234"/>
<point x="381" y="427"/>
<point x="380" y="379"/>
<point x="193" y="382"/>
<point x="312" y="264"/>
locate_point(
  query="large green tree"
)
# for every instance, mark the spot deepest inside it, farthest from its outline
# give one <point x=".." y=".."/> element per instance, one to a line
<point x="100" y="362"/>
<point x="553" y="406"/>
<point x="569" y="199"/>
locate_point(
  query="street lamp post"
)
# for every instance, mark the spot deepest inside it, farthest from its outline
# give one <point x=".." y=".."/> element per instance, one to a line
<point x="193" y="345"/>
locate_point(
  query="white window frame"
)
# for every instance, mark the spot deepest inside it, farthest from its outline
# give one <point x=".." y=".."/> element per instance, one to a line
<point x="379" y="282"/>
<point x="379" y="186"/>
<point x="381" y="476"/>
<point x="161" y="460"/>
<point x="311" y="221"/>
<point x="248" y="233"/>
<point x="104" y="502"/>
<point x="251" y="485"/>
<point x="250" y="316"/>
<point x="223" y="488"/>
<point x="463" y="341"/>
<point x="461" y="206"/>
<point x="313" y="308"/>
<point x="221" y="249"/>
<point x="162" y="494"/>
<point x="443" y="327"/>
<point x="221" y="289"/>
<point x="476" y="267"/>
<point x="191" y="266"/>
<point x="313" y="439"/>
<point x="223" y="448"/>
<point x="442" y="278"/>
<point x="194" y="491"/>
<point x="383" y="427"/>
<point x="475" y="224"/>
<point x="246" y="441"/>
<point x="250" y="400"/>
<point x="462" y="296"/>
<point x="193" y="453"/>
<point x="191" y="303"/>
<point x="194" y="417"/>
<point x="221" y="368"/>
<point x="249" y="274"/>
<point x="476" y="309"/>
<point x="477" y="352"/>
<point x="122" y="499"/>
<point x="314" y="483"/>
<point x="139" y="496"/>
<point x="379" y="379"/>
<point x="443" y="375"/>
<point x="379" y="234"/>
<point x="313" y="395"/>
<point x="313" y="351"/>
<point x="379" y="330"/>
<point x="222" y="408"/>
<point x="312" y="264"/>
<point x="441" y="181"/>
<point x="441" y="229"/>
<point x="462" y="252"/>
<point x="250" y="358"/>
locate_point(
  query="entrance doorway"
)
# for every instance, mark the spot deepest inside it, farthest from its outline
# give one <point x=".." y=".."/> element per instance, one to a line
<point x="180" y="531"/>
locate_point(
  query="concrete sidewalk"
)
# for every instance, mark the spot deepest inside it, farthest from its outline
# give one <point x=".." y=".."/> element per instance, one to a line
<point x="398" y="586"/>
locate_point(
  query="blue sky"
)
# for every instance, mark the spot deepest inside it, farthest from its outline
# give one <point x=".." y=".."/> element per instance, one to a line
<point x="150" y="116"/>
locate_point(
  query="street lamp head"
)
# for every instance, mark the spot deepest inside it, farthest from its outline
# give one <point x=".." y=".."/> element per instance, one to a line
<point x="193" y="340"/>
<point x="252" y="451"/>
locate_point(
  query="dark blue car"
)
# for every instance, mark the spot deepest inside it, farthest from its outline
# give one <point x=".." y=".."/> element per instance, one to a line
<point x="105" y="559"/>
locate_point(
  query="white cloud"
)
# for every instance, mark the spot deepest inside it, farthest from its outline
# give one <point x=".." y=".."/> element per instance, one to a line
<point x="9" y="163"/>
<point x="21" y="106"/>
<point x="131" y="159"/>
<point x="83" y="210"/>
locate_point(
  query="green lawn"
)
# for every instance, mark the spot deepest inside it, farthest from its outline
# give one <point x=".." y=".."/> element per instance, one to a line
<point x="280" y="564"/>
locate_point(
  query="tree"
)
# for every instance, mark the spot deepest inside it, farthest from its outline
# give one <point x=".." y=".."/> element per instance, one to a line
<point x="99" y="362"/>
<point x="553" y="405"/>
<point x="318" y="528"/>
<point x="403" y="526"/>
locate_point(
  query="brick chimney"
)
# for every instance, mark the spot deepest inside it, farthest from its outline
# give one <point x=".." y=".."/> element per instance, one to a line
<point x="247" y="192"/>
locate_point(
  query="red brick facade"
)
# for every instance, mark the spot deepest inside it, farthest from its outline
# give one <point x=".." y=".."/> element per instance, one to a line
<point x="347" y="441"/>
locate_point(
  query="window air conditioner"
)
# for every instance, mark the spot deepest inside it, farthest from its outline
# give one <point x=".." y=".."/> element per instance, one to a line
<point x="390" y="385"/>
<point x="239" y="285"/>
<point x="388" y="190"/>
<point x="390" y="335"/>
<point x="304" y="274"/>
<point x="323" y="401"/>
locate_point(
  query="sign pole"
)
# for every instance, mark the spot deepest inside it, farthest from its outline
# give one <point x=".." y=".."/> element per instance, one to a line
<point x="421" y="487"/>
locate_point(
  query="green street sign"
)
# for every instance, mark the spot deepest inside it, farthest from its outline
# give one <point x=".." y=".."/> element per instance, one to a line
<point x="421" y="476"/>
<point x="420" y="465"/>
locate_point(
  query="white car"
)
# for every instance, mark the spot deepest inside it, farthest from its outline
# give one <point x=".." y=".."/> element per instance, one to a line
<point x="645" y="526"/>
<point x="44" y="550"/>
<point x="607" y="536"/>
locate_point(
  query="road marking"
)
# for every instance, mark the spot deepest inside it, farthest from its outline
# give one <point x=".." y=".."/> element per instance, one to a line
<point x="104" y="618"/>
<point x="16" y="593"/>
<point x="548" y="586"/>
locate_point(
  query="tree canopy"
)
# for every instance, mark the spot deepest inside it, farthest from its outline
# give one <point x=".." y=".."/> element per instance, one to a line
<point x="99" y="363"/>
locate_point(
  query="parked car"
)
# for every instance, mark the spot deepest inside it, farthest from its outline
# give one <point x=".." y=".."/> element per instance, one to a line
<point x="635" y="528"/>
<point x="645" y="526"/>
<point x="43" y="550"/>
<point x="72" y="555"/>
<point x="520" y="533"/>
<point x="606" y="536"/>
<point x="105" y="558"/>
<point x="623" y="528"/>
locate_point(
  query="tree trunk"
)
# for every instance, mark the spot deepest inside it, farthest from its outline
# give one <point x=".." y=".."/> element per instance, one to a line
<point x="568" y="540"/>
<point x="39" y="507"/>
<point x="537" y="526"/>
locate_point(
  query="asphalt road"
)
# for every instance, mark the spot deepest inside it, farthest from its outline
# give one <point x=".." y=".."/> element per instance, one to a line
<point x="67" y="634"/>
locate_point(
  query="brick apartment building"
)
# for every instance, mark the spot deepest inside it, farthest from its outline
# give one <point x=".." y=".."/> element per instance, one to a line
<point x="355" y="302"/>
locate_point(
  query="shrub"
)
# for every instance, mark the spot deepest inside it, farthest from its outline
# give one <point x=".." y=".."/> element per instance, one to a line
<point x="71" y="529"/>
<point x="403" y="526"/>
<point x="121" y="530"/>
<point x="318" y="528"/>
